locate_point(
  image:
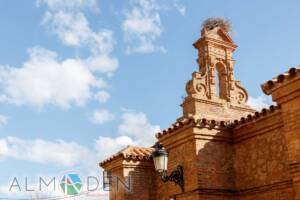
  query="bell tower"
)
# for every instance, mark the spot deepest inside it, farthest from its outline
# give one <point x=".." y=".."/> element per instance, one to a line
<point x="213" y="93"/>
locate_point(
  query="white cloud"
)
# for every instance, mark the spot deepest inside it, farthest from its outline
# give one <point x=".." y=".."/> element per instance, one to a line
<point x="3" y="120"/>
<point x="102" y="116"/>
<point x="135" y="129"/>
<point x="142" y="25"/>
<point x="68" y="4"/>
<point x="259" y="102"/>
<point x="103" y="64"/>
<point x="44" y="79"/>
<point x="137" y="125"/>
<point x="102" y="96"/>
<point x="106" y="146"/>
<point x="67" y="155"/>
<point x="49" y="192"/>
<point x="180" y="7"/>
<point x="63" y="154"/>
<point x="80" y="158"/>
<point x="41" y="151"/>
<point x="73" y="29"/>
<point x="16" y="193"/>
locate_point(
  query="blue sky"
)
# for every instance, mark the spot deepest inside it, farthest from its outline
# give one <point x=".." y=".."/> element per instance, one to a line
<point x="81" y="79"/>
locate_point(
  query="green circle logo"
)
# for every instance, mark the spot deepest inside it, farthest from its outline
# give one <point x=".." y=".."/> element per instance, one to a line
<point x="71" y="184"/>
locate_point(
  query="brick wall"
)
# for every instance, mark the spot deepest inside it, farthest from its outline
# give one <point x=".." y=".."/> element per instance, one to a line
<point x="142" y="182"/>
<point x="182" y="151"/>
<point x="287" y="94"/>
<point x="132" y="179"/>
<point x="249" y="161"/>
<point x="206" y="157"/>
<point x="260" y="160"/>
<point x="214" y="160"/>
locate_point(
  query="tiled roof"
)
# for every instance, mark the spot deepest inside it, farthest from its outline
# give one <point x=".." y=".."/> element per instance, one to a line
<point x="181" y="122"/>
<point x="217" y="124"/>
<point x="142" y="153"/>
<point x="270" y="85"/>
<point x="257" y="115"/>
<point x="131" y="153"/>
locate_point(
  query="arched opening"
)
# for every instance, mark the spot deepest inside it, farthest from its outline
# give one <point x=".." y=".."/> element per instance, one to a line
<point x="221" y="81"/>
<point x="217" y="80"/>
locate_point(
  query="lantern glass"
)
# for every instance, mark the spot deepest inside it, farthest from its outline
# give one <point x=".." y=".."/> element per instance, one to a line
<point x="160" y="158"/>
<point x="161" y="163"/>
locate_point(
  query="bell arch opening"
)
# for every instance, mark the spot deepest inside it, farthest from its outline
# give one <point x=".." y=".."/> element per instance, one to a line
<point x="221" y="81"/>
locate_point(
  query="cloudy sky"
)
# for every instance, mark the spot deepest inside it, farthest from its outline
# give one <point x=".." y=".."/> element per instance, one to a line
<point x="80" y="79"/>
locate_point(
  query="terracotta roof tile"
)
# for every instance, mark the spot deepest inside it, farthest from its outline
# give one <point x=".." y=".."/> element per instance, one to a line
<point x="257" y="115"/>
<point x="181" y="122"/>
<point x="131" y="153"/>
<point x="202" y="123"/>
<point x="142" y="153"/>
<point x="270" y="85"/>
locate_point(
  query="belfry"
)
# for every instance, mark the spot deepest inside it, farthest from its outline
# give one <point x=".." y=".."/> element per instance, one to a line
<point x="219" y="149"/>
<point x="213" y="88"/>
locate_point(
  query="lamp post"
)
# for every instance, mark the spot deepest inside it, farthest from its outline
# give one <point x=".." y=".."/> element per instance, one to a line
<point x="160" y="159"/>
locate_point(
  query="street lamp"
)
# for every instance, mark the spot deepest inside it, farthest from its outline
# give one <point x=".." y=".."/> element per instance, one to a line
<point x="160" y="159"/>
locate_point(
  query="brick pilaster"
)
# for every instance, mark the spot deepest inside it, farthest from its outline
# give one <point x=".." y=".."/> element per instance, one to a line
<point x="285" y="91"/>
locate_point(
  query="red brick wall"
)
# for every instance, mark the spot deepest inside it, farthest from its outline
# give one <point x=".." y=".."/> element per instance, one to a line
<point x="207" y="159"/>
<point x="288" y="96"/>
<point x="215" y="164"/>
<point x="180" y="154"/>
<point x="114" y="193"/>
<point x="143" y="183"/>
<point x="260" y="160"/>
<point x="139" y="174"/>
<point x="249" y="162"/>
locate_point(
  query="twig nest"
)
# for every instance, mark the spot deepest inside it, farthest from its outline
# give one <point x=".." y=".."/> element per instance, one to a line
<point x="214" y="22"/>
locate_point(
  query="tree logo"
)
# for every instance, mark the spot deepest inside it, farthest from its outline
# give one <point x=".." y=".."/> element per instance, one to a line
<point x="71" y="184"/>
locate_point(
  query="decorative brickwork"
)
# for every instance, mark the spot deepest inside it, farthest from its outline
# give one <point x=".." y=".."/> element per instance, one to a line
<point x="227" y="150"/>
<point x="216" y="70"/>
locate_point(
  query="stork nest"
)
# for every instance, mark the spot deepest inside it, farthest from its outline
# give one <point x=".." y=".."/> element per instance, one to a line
<point x="214" y="22"/>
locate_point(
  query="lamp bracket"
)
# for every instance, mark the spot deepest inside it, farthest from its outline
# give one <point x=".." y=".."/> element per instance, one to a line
<point x="176" y="176"/>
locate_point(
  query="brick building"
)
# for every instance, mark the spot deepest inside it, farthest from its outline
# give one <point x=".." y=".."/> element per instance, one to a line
<point x="227" y="150"/>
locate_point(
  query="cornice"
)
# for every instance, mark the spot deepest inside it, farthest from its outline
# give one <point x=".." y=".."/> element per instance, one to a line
<point x="271" y="85"/>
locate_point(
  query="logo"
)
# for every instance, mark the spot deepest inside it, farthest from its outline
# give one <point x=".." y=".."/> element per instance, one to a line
<point x="71" y="184"/>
